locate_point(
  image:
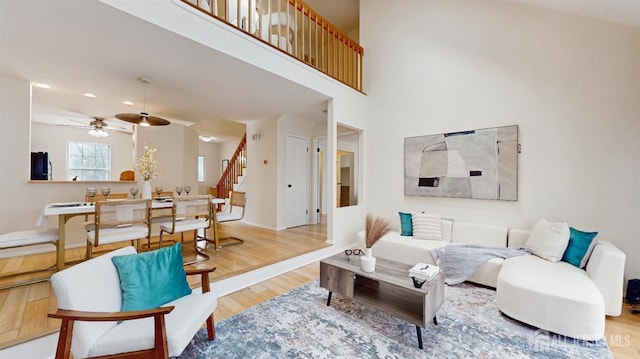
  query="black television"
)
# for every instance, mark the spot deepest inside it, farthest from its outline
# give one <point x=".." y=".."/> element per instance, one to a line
<point x="39" y="166"/>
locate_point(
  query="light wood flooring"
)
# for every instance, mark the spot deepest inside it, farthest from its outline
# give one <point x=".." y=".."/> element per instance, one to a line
<point x="23" y="310"/>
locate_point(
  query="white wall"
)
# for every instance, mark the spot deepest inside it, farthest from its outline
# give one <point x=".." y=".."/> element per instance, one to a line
<point x="262" y="179"/>
<point x="571" y="83"/>
<point x="177" y="155"/>
<point x="53" y="139"/>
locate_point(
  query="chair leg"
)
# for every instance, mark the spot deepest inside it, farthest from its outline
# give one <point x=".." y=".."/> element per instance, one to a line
<point x="211" y="328"/>
<point x="63" y="349"/>
<point x="160" y="240"/>
<point x="89" y="252"/>
<point x="197" y="250"/>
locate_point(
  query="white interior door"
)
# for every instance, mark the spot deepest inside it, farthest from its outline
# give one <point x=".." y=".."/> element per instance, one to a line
<point x="297" y="181"/>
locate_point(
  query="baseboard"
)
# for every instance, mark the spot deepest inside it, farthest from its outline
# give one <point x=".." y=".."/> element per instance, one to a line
<point x="241" y="281"/>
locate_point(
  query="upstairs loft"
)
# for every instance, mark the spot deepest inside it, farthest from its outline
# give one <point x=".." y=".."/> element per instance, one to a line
<point x="294" y="28"/>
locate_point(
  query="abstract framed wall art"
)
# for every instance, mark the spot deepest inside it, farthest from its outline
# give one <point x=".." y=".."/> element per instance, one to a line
<point x="480" y="164"/>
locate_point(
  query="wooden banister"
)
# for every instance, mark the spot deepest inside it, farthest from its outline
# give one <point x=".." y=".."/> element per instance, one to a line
<point x="309" y="38"/>
<point x="235" y="169"/>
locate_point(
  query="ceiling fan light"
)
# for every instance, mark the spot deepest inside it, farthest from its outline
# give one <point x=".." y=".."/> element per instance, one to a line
<point x="98" y="132"/>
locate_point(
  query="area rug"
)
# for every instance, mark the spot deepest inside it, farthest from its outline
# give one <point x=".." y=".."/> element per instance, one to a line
<point x="298" y="324"/>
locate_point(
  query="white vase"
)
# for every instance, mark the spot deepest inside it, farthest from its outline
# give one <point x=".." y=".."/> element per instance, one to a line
<point x="146" y="190"/>
<point x="367" y="262"/>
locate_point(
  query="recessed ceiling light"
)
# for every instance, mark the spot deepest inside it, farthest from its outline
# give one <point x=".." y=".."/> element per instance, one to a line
<point x="206" y="138"/>
<point x="41" y="85"/>
<point x="128" y="103"/>
<point x="89" y="95"/>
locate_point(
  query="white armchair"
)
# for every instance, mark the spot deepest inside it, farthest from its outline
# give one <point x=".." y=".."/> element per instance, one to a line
<point x="90" y="298"/>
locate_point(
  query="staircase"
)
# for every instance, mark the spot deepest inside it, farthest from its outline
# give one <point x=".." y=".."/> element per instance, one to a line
<point x="234" y="171"/>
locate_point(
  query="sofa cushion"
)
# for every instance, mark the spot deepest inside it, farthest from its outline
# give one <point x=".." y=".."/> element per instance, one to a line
<point x="426" y="226"/>
<point x="580" y="247"/>
<point x="548" y="240"/>
<point x="403" y="249"/>
<point x="406" y="225"/>
<point x="152" y="278"/>
<point x="480" y="234"/>
<point x="557" y="297"/>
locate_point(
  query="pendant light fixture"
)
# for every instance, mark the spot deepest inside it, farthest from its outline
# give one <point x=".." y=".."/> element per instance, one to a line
<point x="143" y="118"/>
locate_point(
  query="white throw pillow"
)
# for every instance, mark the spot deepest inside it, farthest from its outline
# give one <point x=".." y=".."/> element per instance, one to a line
<point x="548" y="240"/>
<point x="426" y="226"/>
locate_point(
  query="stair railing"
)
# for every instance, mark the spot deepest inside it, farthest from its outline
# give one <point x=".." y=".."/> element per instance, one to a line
<point x="235" y="169"/>
<point x="294" y="28"/>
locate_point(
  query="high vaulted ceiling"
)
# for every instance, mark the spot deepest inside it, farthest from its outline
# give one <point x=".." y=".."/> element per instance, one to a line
<point x="86" y="46"/>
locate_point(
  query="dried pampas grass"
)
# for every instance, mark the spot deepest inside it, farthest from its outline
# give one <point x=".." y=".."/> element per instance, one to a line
<point x="376" y="227"/>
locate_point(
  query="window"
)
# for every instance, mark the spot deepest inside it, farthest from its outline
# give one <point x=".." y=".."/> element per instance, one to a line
<point x="88" y="161"/>
<point x="200" y="168"/>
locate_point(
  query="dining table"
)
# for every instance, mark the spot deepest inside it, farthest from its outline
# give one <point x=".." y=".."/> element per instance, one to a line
<point x="67" y="210"/>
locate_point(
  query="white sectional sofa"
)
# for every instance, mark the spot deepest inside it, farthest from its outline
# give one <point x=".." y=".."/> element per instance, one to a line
<point x="556" y="297"/>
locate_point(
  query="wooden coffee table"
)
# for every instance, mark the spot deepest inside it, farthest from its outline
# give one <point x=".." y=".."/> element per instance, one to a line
<point x="389" y="289"/>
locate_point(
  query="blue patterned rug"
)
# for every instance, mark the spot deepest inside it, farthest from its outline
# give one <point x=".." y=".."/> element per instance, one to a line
<point x="298" y="324"/>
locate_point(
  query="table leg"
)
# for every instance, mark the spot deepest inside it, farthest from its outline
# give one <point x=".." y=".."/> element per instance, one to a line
<point x="435" y="320"/>
<point x="62" y="224"/>
<point x="329" y="298"/>
<point x="419" y="332"/>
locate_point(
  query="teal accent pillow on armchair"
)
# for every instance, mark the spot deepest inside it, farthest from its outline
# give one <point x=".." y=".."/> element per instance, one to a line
<point x="150" y="279"/>
<point x="580" y="246"/>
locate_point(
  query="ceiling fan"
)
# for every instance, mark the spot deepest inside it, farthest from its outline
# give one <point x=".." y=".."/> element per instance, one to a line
<point x="143" y="118"/>
<point x="98" y="127"/>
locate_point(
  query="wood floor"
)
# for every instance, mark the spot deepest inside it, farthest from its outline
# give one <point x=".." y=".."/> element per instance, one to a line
<point x="23" y="310"/>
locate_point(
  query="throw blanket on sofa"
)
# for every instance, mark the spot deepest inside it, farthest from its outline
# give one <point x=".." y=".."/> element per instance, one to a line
<point x="460" y="261"/>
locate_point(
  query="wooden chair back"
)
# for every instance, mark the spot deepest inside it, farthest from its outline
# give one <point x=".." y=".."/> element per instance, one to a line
<point x="162" y="194"/>
<point x="237" y="199"/>
<point x="192" y="207"/>
<point x="100" y="197"/>
<point x="125" y="212"/>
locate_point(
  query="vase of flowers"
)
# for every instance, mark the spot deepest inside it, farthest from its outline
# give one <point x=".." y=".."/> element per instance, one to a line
<point x="146" y="167"/>
<point x="375" y="228"/>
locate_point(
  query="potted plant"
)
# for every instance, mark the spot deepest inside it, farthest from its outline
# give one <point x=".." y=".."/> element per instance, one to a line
<point x="375" y="228"/>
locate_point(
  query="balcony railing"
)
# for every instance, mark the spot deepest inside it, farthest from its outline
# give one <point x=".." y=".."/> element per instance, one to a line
<point x="294" y="28"/>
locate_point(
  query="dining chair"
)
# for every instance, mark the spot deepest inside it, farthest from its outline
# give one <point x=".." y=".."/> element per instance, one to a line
<point x="237" y="200"/>
<point x="119" y="221"/>
<point x="189" y="213"/>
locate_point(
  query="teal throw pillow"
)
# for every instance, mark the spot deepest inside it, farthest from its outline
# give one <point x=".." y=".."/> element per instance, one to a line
<point x="406" y="224"/>
<point x="580" y="246"/>
<point x="151" y="279"/>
